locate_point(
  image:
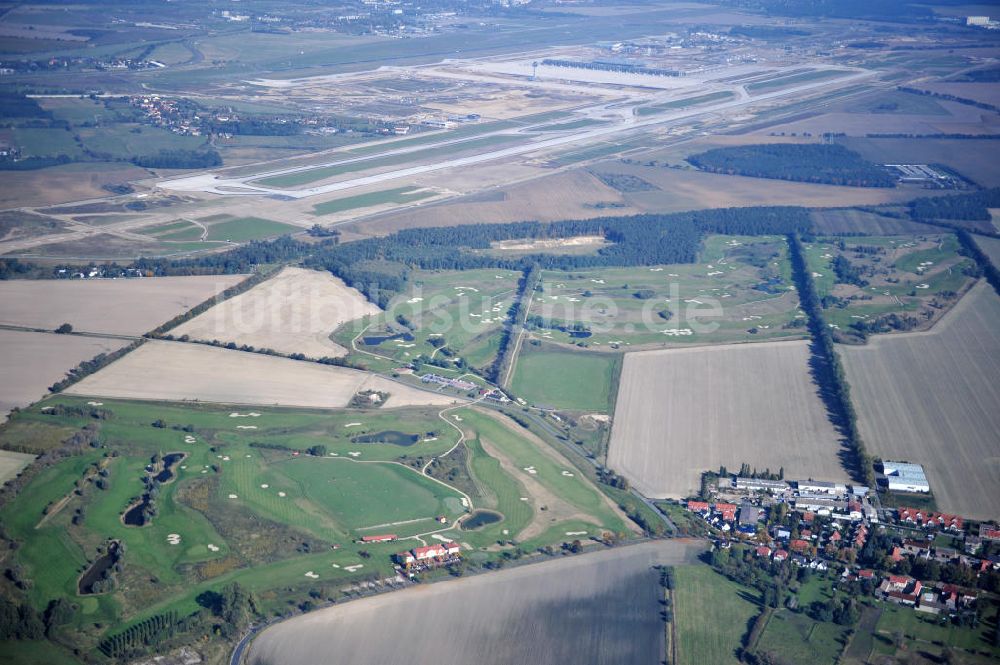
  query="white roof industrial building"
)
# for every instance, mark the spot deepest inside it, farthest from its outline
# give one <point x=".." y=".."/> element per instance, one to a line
<point x="905" y="477"/>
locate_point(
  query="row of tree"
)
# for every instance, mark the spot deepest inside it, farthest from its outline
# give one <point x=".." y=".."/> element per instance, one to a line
<point x="827" y="369"/>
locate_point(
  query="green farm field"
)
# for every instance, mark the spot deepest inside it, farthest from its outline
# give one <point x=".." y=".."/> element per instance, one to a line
<point x="550" y="377"/>
<point x="711" y="615"/>
<point x="740" y="290"/>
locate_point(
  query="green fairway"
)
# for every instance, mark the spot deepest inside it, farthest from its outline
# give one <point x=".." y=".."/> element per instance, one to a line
<point x="248" y="228"/>
<point x="739" y="290"/>
<point x="551" y="470"/>
<point x="463" y="309"/>
<point x="275" y="499"/>
<point x="565" y="379"/>
<point x="397" y="195"/>
<point x="899" y="275"/>
<point x="711" y="615"/>
<point x="361" y="495"/>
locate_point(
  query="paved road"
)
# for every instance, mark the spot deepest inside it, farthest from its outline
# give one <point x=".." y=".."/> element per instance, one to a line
<point x="211" y="183"/>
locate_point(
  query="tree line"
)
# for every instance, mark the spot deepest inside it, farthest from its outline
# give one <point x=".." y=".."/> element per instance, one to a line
<point x="825" y="364"/>
<point x="972" y="206"/>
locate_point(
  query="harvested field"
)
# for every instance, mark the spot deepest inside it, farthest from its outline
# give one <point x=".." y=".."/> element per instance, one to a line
<point x="931" y="398"/>
<point x="293" y="312"/>
<point x="572" y="195"/>
<point x="990" y="247"/>
<point x="681" y="412"/>
<point x="30" y="362"/>
<point x="193" y="372"/>
<point x="985" y="94"/>
<point x="11" y="464"/>
<point x="847" y="220"/>
<point x="973" y="158"/>
<point x="691" y="190"/>
<point x="596" y="608"/>
<point x="60" y="184"/>
<point x="108" y="306"/>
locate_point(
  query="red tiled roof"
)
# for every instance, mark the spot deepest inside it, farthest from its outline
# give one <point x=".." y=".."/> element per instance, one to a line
<point x="384" y="538"/>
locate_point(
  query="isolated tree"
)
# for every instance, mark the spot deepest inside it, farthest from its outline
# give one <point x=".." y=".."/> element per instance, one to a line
<point x="64" y="329"/>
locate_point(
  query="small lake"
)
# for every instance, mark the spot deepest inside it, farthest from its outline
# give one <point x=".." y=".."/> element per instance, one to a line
<point x="97" y="569"/>
<point x="169" y="460"/>
<point x="480" y="518"/>
<point x="134" y="516"/>
<point x="389" y="436"/>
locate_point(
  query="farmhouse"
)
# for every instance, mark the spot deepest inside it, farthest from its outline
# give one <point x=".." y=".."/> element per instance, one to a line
<point x="901" y="589"/>
<point x="905" y="477"/>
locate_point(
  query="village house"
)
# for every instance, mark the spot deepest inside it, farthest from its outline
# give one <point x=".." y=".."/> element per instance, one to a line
<point x="901" y="589"/>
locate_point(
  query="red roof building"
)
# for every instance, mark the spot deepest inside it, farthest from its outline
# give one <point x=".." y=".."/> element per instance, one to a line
<point x="780" y="555"/>
<point x="763" y="550"/>
<point x="727" y="510"/>
<point x="799" y="545"/>
<point x="697" y="506"/>
<point x="435" y="551"/>
<point x="384" y="538"/>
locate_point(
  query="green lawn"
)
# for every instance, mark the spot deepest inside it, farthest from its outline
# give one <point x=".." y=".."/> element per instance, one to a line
<point x="712" y="615"/>
<point x="397" y="195"/>
<point x="559" y="379"/>
<point x="922" y="630"/>
<point x="248" y="228"/>
<point x="796" y="638"/>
